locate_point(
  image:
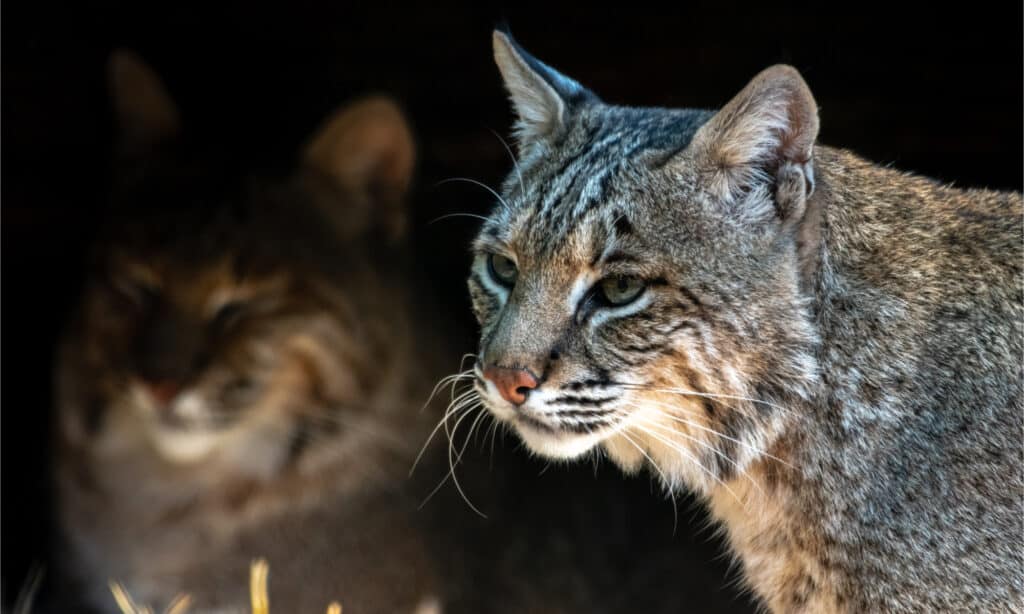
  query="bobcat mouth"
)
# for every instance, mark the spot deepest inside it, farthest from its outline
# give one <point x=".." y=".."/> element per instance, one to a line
<point x="185" y="446"/>
<point x="577" y="421"/>
<point x="568" y="428"/>
<point x="562" y="441"/>
<point x="565" y="434"/>
<point x="186" y="414"/>
<point x="531" y="422"/>
<point x="574" y="426"/>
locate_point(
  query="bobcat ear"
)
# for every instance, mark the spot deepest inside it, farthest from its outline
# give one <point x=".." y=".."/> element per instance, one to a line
<point x="543" y="98"/>
<point x="763" y="140"/>
<point x="366" y="151"/>
<point x="146" y="116"/>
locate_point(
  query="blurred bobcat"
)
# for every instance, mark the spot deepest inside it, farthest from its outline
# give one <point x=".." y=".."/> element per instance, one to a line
<point x="827" y="350"/>
<point x="242" y="378"/>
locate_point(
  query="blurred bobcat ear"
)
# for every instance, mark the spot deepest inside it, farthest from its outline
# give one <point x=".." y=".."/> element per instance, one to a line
<point x="146" y="116"/>
<point x="542" y="97"/>
<point x="763" y="141"/>
<point x="366" y="150"/>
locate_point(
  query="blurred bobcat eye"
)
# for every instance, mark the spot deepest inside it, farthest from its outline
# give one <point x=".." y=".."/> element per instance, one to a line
<point x="138" y="292"/>
<point x="620" y="290"/>
<point x="242" y="384"/>
<point x="238" y="388"/>
<point x="502" y="269"/>
<point x="227" y="314"/>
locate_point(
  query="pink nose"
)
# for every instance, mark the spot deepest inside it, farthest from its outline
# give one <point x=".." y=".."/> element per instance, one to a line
<point x="513" y="384"/>
<point x="163" y="391"/>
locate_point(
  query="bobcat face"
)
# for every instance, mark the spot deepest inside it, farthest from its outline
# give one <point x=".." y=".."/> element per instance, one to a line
<point x="639" y="287"/>
<point x="203" y="341"/>
<point x="239" y="317"/>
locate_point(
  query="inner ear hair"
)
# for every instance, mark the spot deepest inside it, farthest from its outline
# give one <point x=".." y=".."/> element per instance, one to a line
<point x="764" y="138"/>
<point x="794" y="184"/>
<point x="806" y="229"/>
<point x="538" y="106"/>
<point x="541" y="96"/>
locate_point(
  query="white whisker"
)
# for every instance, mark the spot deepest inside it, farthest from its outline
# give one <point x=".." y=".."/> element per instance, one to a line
<point x="494" y="435"/>
<point x="451" y="466"/>
<point x="477" y="183"/>
<point x="709" y="395"/>
<point x="664" y="480"/>
<point x="449" y="379"/>
<point x="674" y="446"/>
<point x="669" y="431"/>
<point x="457" y="405"/>
<point x="472" y="428"/>
<point x="515" y="162"/>
<point x="447" y="475"/>
<point x="682" y="420"/>
<point x="451" y="215"/>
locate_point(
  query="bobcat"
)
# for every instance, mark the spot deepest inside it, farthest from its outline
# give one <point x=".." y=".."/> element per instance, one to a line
<point x="827" y="351"/>
<point x="243" y="375"/>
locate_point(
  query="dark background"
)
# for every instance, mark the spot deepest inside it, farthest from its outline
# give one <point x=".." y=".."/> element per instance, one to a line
<point x="927" y="89"/>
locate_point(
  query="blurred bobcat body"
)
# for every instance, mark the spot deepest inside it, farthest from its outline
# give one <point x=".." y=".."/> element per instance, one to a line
<point x="828" y="351"/>
<point x="243" y="376"/>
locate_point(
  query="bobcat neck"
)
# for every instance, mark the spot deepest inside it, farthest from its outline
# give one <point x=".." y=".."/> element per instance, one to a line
<point x="772" y="526"/>
<point x="780" y="550"/>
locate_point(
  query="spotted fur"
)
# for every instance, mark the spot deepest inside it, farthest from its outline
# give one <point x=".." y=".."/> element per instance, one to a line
<point x="828" y="351"/>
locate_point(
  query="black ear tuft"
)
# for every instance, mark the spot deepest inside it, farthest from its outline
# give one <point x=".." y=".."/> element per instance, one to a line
<point x="504" y="27"/>
<point x="569" y="90"/>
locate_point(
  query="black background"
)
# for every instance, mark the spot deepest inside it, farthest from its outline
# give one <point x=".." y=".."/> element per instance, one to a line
<point x="928" y="89"/>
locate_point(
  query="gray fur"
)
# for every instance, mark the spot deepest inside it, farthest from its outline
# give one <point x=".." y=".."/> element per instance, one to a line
<point x="843" y="341"/>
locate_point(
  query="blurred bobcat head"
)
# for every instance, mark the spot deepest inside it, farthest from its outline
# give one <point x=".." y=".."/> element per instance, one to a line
<point x="237" y="317"/>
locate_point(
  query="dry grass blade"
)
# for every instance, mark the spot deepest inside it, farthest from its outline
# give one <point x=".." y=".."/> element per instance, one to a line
<point x="259" y="570"/>
<point x="27" y="595"/>
<point x="123" y="599"/>
<point x="179" y="605"/>
<point x="258" y="587"/>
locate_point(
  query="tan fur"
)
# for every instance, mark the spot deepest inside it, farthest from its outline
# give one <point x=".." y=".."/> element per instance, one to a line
<point x="776" y="563"/>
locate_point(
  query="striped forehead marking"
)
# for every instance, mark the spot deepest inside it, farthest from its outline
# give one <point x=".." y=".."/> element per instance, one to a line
<point x="558" y="198"/>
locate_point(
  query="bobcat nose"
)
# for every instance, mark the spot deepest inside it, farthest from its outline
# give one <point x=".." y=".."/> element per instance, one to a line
<point x="163" y="391"/>
<point x="513" y="384"/>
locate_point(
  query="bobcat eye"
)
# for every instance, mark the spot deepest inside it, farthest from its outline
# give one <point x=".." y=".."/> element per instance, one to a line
<point x="620" y="290"/>
<point x="502" y="269"/>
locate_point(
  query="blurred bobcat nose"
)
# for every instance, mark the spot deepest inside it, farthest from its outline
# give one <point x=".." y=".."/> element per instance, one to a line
<point x="513" y="384"/>
<point x="162" y="391"/>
